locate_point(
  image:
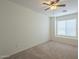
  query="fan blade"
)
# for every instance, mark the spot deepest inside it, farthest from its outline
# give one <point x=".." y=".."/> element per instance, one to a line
<point x="57" y="1"/>
<point x="54" y="1"/>
<point x="63" y="5"/>
<point x="47" y="9"/>
<point x="45" y="4"/>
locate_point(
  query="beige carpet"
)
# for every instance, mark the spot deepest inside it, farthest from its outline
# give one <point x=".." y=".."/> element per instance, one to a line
<point x="48" y="50"/>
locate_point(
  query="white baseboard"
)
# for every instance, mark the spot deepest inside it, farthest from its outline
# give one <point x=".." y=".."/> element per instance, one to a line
<point x="2" y="57"/>
<point x="5" y="56"/>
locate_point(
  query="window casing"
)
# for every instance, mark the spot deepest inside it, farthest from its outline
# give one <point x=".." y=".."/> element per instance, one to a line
<point x="66" y="28"/>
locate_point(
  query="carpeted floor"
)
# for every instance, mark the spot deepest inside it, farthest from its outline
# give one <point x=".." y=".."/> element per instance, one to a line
<point x="48" y="50"/>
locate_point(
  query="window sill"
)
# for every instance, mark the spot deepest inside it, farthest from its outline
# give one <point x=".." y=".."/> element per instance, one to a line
<point x="67" y="37"/>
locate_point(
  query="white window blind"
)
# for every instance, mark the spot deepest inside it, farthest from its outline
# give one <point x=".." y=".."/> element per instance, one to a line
<point x="66" y="27"/>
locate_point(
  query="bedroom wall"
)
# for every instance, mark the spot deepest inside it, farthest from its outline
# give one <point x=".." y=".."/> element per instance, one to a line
<point x="20" y="28"/>
<point x="71" y="41"/>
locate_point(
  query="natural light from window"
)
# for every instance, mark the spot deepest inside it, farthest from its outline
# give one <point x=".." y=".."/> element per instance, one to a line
<point x="66" y="28"/>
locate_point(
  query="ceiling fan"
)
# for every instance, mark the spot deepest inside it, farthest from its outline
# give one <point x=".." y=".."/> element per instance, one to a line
<point x="53" y="4"/>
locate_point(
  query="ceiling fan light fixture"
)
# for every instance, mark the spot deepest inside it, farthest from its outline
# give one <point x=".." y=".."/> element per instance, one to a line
<point x="53" y="7"/>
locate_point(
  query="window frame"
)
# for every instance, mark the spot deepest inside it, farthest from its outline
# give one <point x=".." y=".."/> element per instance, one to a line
<point x="64" y="36"/>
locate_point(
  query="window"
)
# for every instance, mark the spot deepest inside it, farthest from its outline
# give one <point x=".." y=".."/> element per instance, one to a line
<point x="66" y="28"/>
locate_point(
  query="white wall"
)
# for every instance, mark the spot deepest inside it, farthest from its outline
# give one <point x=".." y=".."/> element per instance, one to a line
<point x="20" y="28"/>
<point x="52" y="28"/>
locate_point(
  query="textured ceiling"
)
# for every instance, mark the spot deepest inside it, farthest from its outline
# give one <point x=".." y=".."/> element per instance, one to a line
<point x="36" y="5"/>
